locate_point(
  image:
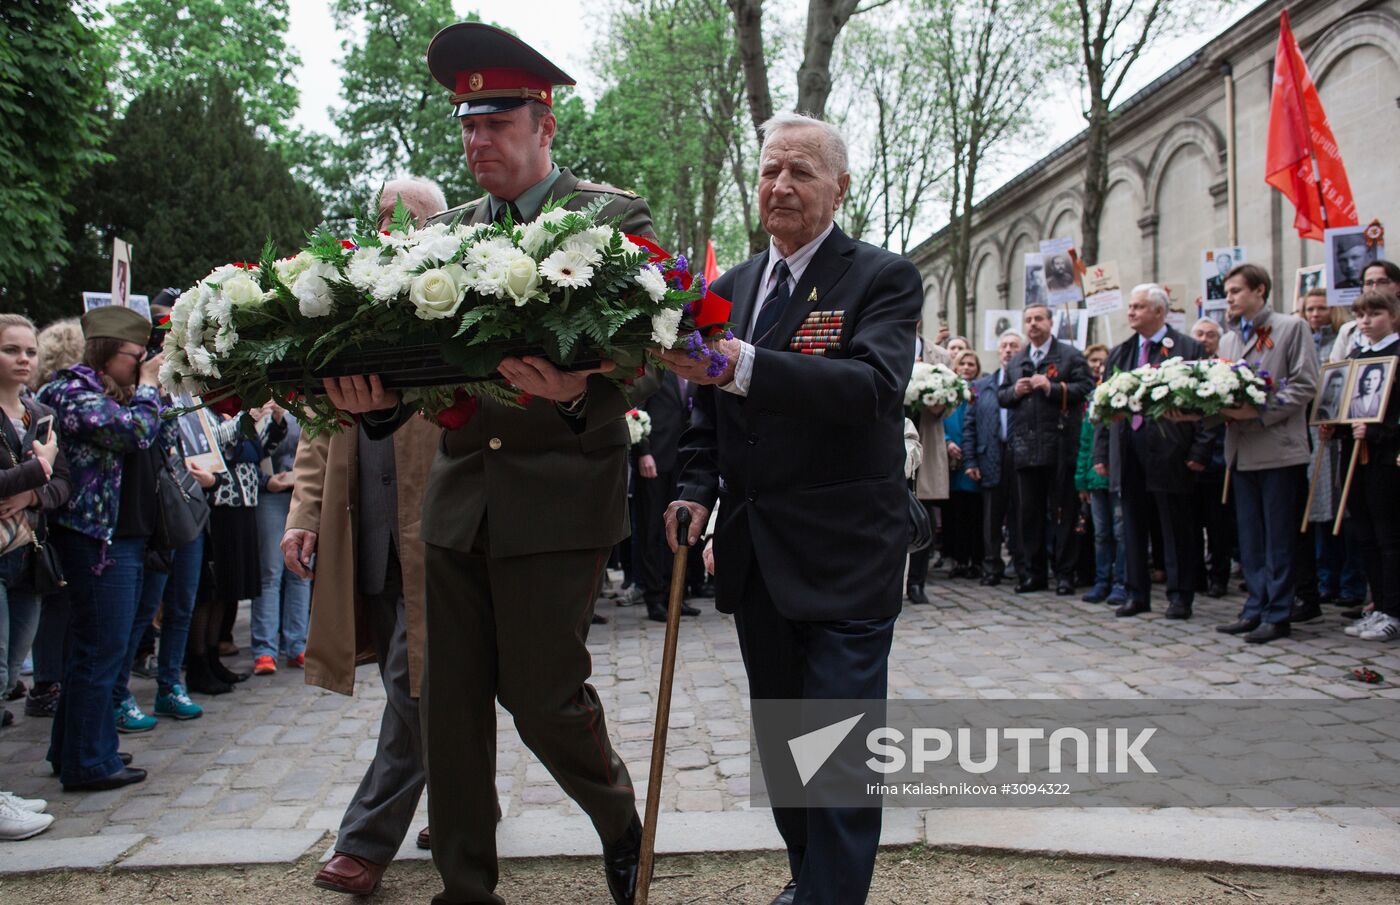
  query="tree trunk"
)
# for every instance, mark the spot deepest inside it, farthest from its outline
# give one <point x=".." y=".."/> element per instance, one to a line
<point x="1095" y="180"/>
<point x="825" y="19"/>
<point x="748" y="24"/>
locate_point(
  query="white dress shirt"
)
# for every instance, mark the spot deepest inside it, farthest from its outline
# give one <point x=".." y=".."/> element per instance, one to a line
<point x="797" y="265"/>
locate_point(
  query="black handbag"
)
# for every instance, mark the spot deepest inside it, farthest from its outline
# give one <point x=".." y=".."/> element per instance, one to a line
<point x="45" y="568"/>
<point x="182" y="512"/>
<point x="920" y="528"/>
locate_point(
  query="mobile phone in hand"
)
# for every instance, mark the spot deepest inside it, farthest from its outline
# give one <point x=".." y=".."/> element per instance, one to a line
<point x="43" y="429"/>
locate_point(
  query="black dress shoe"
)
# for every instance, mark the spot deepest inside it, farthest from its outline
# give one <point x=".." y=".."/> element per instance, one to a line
<point x="1305" y="611"/>
<point x="1238" y="627"/>
<point x="1268" y="631"/>
<point x="1178" y="611"/>
<point x="599" y="620"/>
<point x="123" y="777"/>
<point x="1028" y="586"/>
<point x="620" y="863"/>
<point x="991" y="580"/>
<point x="1218" y="589"/>
<point x="917" y="595"/>
<point x="1064" y="589"/>
<point x="125" y="759"/>
<point x="1133" y="608"/>
<point x="688" y="610"/>
<point x="656" y="613"/>
<point x="788" y="895"/>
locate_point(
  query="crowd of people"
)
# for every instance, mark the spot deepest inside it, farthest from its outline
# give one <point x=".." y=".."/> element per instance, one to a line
<point x="1120" y="507"/>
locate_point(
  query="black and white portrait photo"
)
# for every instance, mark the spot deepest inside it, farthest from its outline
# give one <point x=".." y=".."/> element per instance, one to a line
<point x="1331" y="390"/>
<point x="1037" y="293"/>
<point x="1308" y="279"/>
<point x="1216" y="264"/>
<point x="197" y="436"/>
<point x="1062" y="283"/>
<point x="1348" y="253"/>
<point x="1369" y="389"/>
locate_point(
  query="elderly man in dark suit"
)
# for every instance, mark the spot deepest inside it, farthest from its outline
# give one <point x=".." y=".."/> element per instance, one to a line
<point x="987" y="460"/>
<point x="510" y="592"/>
<point x="1152" y="460"/>
<point x="805" y="455"/>
<point x="1044" y="387"/>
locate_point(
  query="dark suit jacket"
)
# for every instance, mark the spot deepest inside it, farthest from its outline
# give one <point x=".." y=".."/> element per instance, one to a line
<point x="541" y="483"/>
<point x="1166" y="446"/>
<point x="981" y="439"/>
<point x="808" y="469"/>
<point x="669" y="418"/>
<point x="1044" y="429"/>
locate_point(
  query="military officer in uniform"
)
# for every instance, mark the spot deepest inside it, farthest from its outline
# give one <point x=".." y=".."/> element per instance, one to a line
<point x="521" y="510"/>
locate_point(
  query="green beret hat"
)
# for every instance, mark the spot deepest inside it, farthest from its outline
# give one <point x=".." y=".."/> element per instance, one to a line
<point x="116" y="322"/>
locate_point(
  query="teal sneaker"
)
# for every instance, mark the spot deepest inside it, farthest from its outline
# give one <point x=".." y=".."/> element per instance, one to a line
<point x="176" y="703"/>
<point x="130" y="718"/>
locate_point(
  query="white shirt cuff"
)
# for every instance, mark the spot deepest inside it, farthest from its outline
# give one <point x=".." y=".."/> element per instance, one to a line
<point x="743" y="372"/>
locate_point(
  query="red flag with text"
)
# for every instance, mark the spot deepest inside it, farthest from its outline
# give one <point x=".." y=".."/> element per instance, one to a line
<point x="1298" y="136"/>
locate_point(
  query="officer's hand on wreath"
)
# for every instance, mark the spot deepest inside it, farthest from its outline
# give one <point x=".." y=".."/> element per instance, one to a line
<point x="298" y="545"/>
<point x="699" y="517"/>
<point x="538" y="376"/>
<point x="357" y="395"/>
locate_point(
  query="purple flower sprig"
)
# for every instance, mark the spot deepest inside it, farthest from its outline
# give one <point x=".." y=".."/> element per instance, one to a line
<point x="698" y="350"/>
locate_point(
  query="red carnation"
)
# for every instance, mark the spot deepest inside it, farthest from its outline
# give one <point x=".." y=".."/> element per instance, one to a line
<point x="348" y="245"/>
<point x="462" y="410"/>
<point x="230" y="405"/>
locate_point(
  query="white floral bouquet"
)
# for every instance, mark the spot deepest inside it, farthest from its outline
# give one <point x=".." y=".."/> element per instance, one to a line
<point x="638" y="426"/>
<point x="1179" y="388"/>
<point x="932" y="384"/>
<point x="434" y="310"/>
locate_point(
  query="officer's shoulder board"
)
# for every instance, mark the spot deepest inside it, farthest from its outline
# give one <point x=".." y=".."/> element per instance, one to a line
<point x="602" y="188"/>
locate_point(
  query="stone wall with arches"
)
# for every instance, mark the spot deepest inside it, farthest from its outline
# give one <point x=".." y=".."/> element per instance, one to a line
<point x="1168" y="180"/>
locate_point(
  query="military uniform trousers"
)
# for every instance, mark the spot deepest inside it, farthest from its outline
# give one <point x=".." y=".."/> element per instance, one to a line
<point x="514" y="629"/>
<point x="382" y="810"/>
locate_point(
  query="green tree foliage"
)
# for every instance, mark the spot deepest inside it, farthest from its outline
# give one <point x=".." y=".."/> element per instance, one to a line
<point x="672" y="126"/>
<point x="191" y="185"/>
<point x="51" y="128"/>
<point x="396" y="118"/>
<point x="167" y="43"/>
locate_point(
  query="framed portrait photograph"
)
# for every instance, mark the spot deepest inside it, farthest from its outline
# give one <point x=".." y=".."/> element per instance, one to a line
<point x="1216" y="264"/>
<point x="197" y="434"/>
<point x="1348" y="252"/>
<point x="1307" y="279"/>
<point x="1070" y="325"/>
<point x="1332" y="386"/>
<point x="995" y="322"/>
<point x="1061" y="272"/>
<point x="1370" y="387"/>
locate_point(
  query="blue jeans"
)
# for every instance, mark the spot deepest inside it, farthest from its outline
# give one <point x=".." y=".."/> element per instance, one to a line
<point x="180" y="591"/>
<point x="1105" y="538"/>
<point x="104" y="584"/>
<point x="284" y="606"/>
<point x="19" y="616"/>
<point x="1339" y="566"/>
<point x="1267" y="508"/>
<point x="152" y="589"/>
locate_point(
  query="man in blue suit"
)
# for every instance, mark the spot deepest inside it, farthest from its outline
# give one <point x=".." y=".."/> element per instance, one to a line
<point x="987" y="460"/>
<point x="801" y="441"/>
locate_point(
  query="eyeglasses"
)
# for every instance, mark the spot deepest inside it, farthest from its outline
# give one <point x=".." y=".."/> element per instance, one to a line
<point x="139" y="356"/>
<point x="1378" y="283"/>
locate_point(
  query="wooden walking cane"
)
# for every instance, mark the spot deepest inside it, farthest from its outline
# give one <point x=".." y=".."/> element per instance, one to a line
<point x="663" y="705"/>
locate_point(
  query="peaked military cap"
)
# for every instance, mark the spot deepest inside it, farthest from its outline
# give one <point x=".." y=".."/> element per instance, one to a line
<point x="489" y="70"/>
<point x="116" y="322"/>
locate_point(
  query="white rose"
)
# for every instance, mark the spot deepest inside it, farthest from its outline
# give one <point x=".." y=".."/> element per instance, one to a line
<point x="522" y="279"/>
<point x="241" y="290"/>
<point x="534" y="237"/>
<point x="291" y="268"/>
<point x="313" y="292"/>
<point x="435" y="294"/>
<point x="665" y="327"/>
<point x="650" y="279"/>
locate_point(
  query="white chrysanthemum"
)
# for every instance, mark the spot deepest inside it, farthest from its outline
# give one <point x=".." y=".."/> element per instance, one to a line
<point x="313" y="291"/>
<point x="219" y="274"/>
<point x="436" y="244"/>
<point x="219" y="310"/>
<point x="491" y="278"/>
<point x="600" y="237"/>
<point x="665" y="327"/>
<point x="364" y="268"/>
<point x="479" y="254"/>
<point x="650" y="279"/>
<point x="201" y="362"/>
<point x="390" y="282"/>
<point x="289" y="269"/>
<point x="1120" y="401"/>
<point x="1160" y="393"/>
<point x="168" y="376"/>
<point x="225" y="340"/>
<point x="1205" y="390"/>
<point x="396" y="239"/>
<point x="554" y="217"/>
<point x="534" y="237"/>
<point x="567" y="270"/>
<point x="194" y="328"/>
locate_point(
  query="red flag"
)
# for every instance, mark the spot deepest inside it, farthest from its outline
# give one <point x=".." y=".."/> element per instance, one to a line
<point x="1299" y="136"/>
<point x="711" y="266"/>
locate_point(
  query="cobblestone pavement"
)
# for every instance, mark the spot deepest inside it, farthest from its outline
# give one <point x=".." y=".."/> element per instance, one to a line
<point x="279" y="755"/>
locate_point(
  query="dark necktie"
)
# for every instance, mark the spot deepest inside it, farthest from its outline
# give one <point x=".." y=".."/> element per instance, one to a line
<point x="501" y="213"/>
<point x="773" y="305"/>
<point x="1144" y="359"/>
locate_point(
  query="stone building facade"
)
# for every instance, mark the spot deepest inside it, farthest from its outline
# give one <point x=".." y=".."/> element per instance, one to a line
<point x="1167" y="199"/>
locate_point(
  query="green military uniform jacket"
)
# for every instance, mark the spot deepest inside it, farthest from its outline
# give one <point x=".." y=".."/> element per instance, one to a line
<point x="540" y="481"/>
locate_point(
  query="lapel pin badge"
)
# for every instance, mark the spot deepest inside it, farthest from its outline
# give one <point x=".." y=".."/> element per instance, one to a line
<point x="813" y="296"/>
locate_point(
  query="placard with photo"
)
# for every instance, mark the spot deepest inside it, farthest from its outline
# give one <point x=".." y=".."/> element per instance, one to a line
<point x="1103" y="290"/>
<point x="197" y="434"/>
<point x="1370" y="388"/>
<point x="1349" y="250"/>
<point x="1332" y="388"/>
<point x="1061" y="271"/>
<point x="1305" y="279"/>
<point x="1216" y="263"/>
<point x="1071" y="325"/>
<point x="995" y="322"/>
<point x="1037" y="293"/>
